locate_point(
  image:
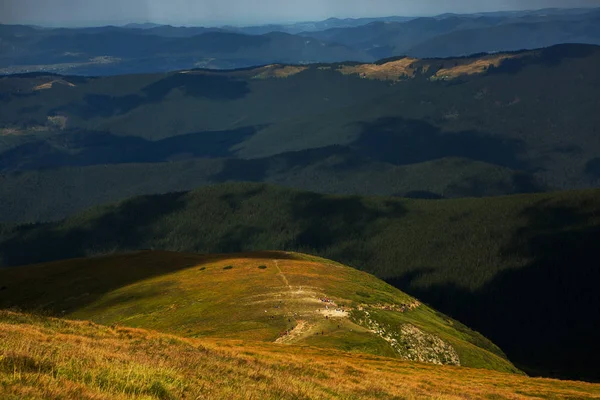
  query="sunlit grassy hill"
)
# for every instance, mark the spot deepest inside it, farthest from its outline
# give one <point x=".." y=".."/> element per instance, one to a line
<point x="60" y="359"/>
<point x="274" y="297"/>
<point x="522" y="270"/>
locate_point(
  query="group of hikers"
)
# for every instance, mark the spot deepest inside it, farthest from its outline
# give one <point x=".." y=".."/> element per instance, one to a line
<point x="326" y="300"/>
<point x="329" y="301"/>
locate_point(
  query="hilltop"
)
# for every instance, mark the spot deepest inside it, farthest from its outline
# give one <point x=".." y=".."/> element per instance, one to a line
<point x="520" y="269"/>
<point x="286" y="298"/>
<point x="47" y="357"/>
<point x="497" y="124"/>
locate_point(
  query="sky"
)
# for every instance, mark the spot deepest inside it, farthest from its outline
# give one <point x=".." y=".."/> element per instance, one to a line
<point x="245" y="12"/>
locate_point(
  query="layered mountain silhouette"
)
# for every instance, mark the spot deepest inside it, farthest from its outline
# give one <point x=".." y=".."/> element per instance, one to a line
<point x="136" y="48"/>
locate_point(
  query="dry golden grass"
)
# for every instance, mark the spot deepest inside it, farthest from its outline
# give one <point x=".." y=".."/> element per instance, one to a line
<point x="50" y="85"/>
<point x="391" y="71"/>
<point x="265" y="72"/>
<point x="46" y="358"/>
<point x="394" y="71"/>
<point x="473" y="66"/>
<point x="277" y="71"/>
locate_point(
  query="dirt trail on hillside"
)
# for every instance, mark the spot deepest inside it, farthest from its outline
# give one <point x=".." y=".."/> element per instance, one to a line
<point x="301" y="302"/>
<point x="302" y="326"/>
<point x="282" y="275"/>
<point x="334" y="313"/>
<point x="295" y="334"/>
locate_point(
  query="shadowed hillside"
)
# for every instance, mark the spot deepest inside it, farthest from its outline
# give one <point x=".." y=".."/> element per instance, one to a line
<point x="494" y="124"/>
<point x="515" y="36"/>
<point x="487" y="262"/>
<point x="338" y="170"/>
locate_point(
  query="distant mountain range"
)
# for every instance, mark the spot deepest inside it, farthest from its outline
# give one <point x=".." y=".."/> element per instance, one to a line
<point x="148" y="47"/>
<point x="459" y="35"/>
<point x="428" y="128"/>
<point x="315" y="26"/>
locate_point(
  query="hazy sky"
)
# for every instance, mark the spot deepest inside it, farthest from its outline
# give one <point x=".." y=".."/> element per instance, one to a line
<point x="218" y="12"/>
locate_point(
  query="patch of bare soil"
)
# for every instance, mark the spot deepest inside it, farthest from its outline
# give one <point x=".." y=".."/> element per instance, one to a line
<point x="333" y="313"/>
<point x="299" y="331"/>
<point x="394" y="307"/>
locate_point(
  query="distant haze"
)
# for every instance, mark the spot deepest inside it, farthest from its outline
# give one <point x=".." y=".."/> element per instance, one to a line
<point x="245" y="12"/>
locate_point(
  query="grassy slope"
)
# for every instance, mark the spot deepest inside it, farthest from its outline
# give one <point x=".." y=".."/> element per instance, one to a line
<point x="505" y="266"/>
<point x="54" y="358"/>
<point x="195" y="296"/>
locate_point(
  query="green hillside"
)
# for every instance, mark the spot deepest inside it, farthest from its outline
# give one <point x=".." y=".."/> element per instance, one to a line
<point x="527" y="121"/>
<point x="520" y="269"/>
<point x="69" y="190"/>
<point x="56" y="358"/>
<point x="273" y="297"/>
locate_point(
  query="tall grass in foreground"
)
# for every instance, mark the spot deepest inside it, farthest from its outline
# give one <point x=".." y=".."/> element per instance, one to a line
<point x="57" y="359"/>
